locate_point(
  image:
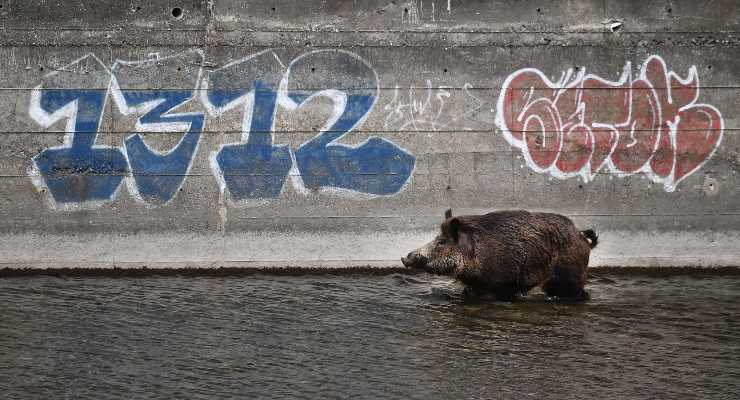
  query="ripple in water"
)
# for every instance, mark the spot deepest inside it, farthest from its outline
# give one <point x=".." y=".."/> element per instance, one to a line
<point x="362" y="336"/>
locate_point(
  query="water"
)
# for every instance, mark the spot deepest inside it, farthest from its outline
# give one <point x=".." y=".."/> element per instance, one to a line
<point x="364" y="336"/>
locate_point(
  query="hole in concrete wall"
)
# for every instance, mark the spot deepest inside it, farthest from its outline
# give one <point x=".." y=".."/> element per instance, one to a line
<point x="445" y="70"/>
<point x="177" y="12"/>
<point x="710" y="186"/>
<point x="405" y="10"/>
<point x="539" y="10"/>
<point x="179" y="69"/>
<point x="669" y="10"/>
<point x="273" y="9"/>
<point x="709" y="67"/>
<point x="313" y="69"/>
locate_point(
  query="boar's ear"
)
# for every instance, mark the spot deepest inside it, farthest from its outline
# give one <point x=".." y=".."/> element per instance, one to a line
<point x="448" y="213"/>
<point x="454" y="229"/>
<point x="462" y="236"/>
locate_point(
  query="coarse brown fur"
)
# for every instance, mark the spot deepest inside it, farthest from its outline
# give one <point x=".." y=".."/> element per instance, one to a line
<point x="510" y="252"/>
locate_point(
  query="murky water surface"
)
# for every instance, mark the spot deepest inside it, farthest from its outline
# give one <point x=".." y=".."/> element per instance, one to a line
<point x="363" y="336"/>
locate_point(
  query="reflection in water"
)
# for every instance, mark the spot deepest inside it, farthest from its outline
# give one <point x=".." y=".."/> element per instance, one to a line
<point x="362" y="336"/>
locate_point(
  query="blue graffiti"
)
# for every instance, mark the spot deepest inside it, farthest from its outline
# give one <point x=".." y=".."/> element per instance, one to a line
<point x="158" y="176"/>
<point x="78" y="172"/>
<point x="376" y="166"/>
<point x="253" y="169"/>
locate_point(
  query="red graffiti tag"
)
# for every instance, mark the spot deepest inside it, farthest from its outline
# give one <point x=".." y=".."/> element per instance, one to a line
<point x="584" y="124"/>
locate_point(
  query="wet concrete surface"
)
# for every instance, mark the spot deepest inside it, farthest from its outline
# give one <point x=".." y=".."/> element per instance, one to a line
<point x="364" y="336"/>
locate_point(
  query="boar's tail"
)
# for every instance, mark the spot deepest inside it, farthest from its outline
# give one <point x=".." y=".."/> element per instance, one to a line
<point x="590" y="237"/>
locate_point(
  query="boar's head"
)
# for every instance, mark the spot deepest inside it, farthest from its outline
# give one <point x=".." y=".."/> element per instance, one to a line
<point x="452" y="248"/>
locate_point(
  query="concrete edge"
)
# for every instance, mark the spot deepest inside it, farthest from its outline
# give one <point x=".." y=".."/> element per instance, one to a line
<point x="190" y="271"/>
<point x="329" y="250"/>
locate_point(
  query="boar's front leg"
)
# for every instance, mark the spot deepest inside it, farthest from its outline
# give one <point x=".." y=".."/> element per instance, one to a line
<point x="476" y="284"/>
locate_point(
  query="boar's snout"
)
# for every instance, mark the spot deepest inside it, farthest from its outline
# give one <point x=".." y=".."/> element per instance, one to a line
<point x="413" y="259"/>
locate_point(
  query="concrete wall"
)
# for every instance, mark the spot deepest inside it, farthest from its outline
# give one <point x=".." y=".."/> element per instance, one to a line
<point x="297" y="132"/>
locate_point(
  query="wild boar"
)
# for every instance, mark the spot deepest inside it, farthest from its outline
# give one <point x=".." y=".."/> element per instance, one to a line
<point x="507" y="253"/>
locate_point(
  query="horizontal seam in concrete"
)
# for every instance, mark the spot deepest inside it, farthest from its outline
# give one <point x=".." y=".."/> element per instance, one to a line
<point x="314" y="133"/>
<point x="605" y="30"/>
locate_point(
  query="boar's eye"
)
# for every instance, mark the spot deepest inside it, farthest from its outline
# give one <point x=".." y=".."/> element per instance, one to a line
<point x="442" y="241"/>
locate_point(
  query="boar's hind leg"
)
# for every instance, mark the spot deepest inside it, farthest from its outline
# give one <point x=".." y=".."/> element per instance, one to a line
<point x="566" y="282"/>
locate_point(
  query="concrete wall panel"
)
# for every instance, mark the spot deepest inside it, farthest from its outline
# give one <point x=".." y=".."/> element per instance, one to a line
<point x="225" y="133"/>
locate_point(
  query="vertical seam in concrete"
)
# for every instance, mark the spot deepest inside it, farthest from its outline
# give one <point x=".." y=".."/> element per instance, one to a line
<point x="222" y="209"/>
<point x="209" y="24"/>
<point x="512" y="157"/>
<point x="222" y="218"/>
<point x="603" y="10"/>
<point x="109" y="140"/>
